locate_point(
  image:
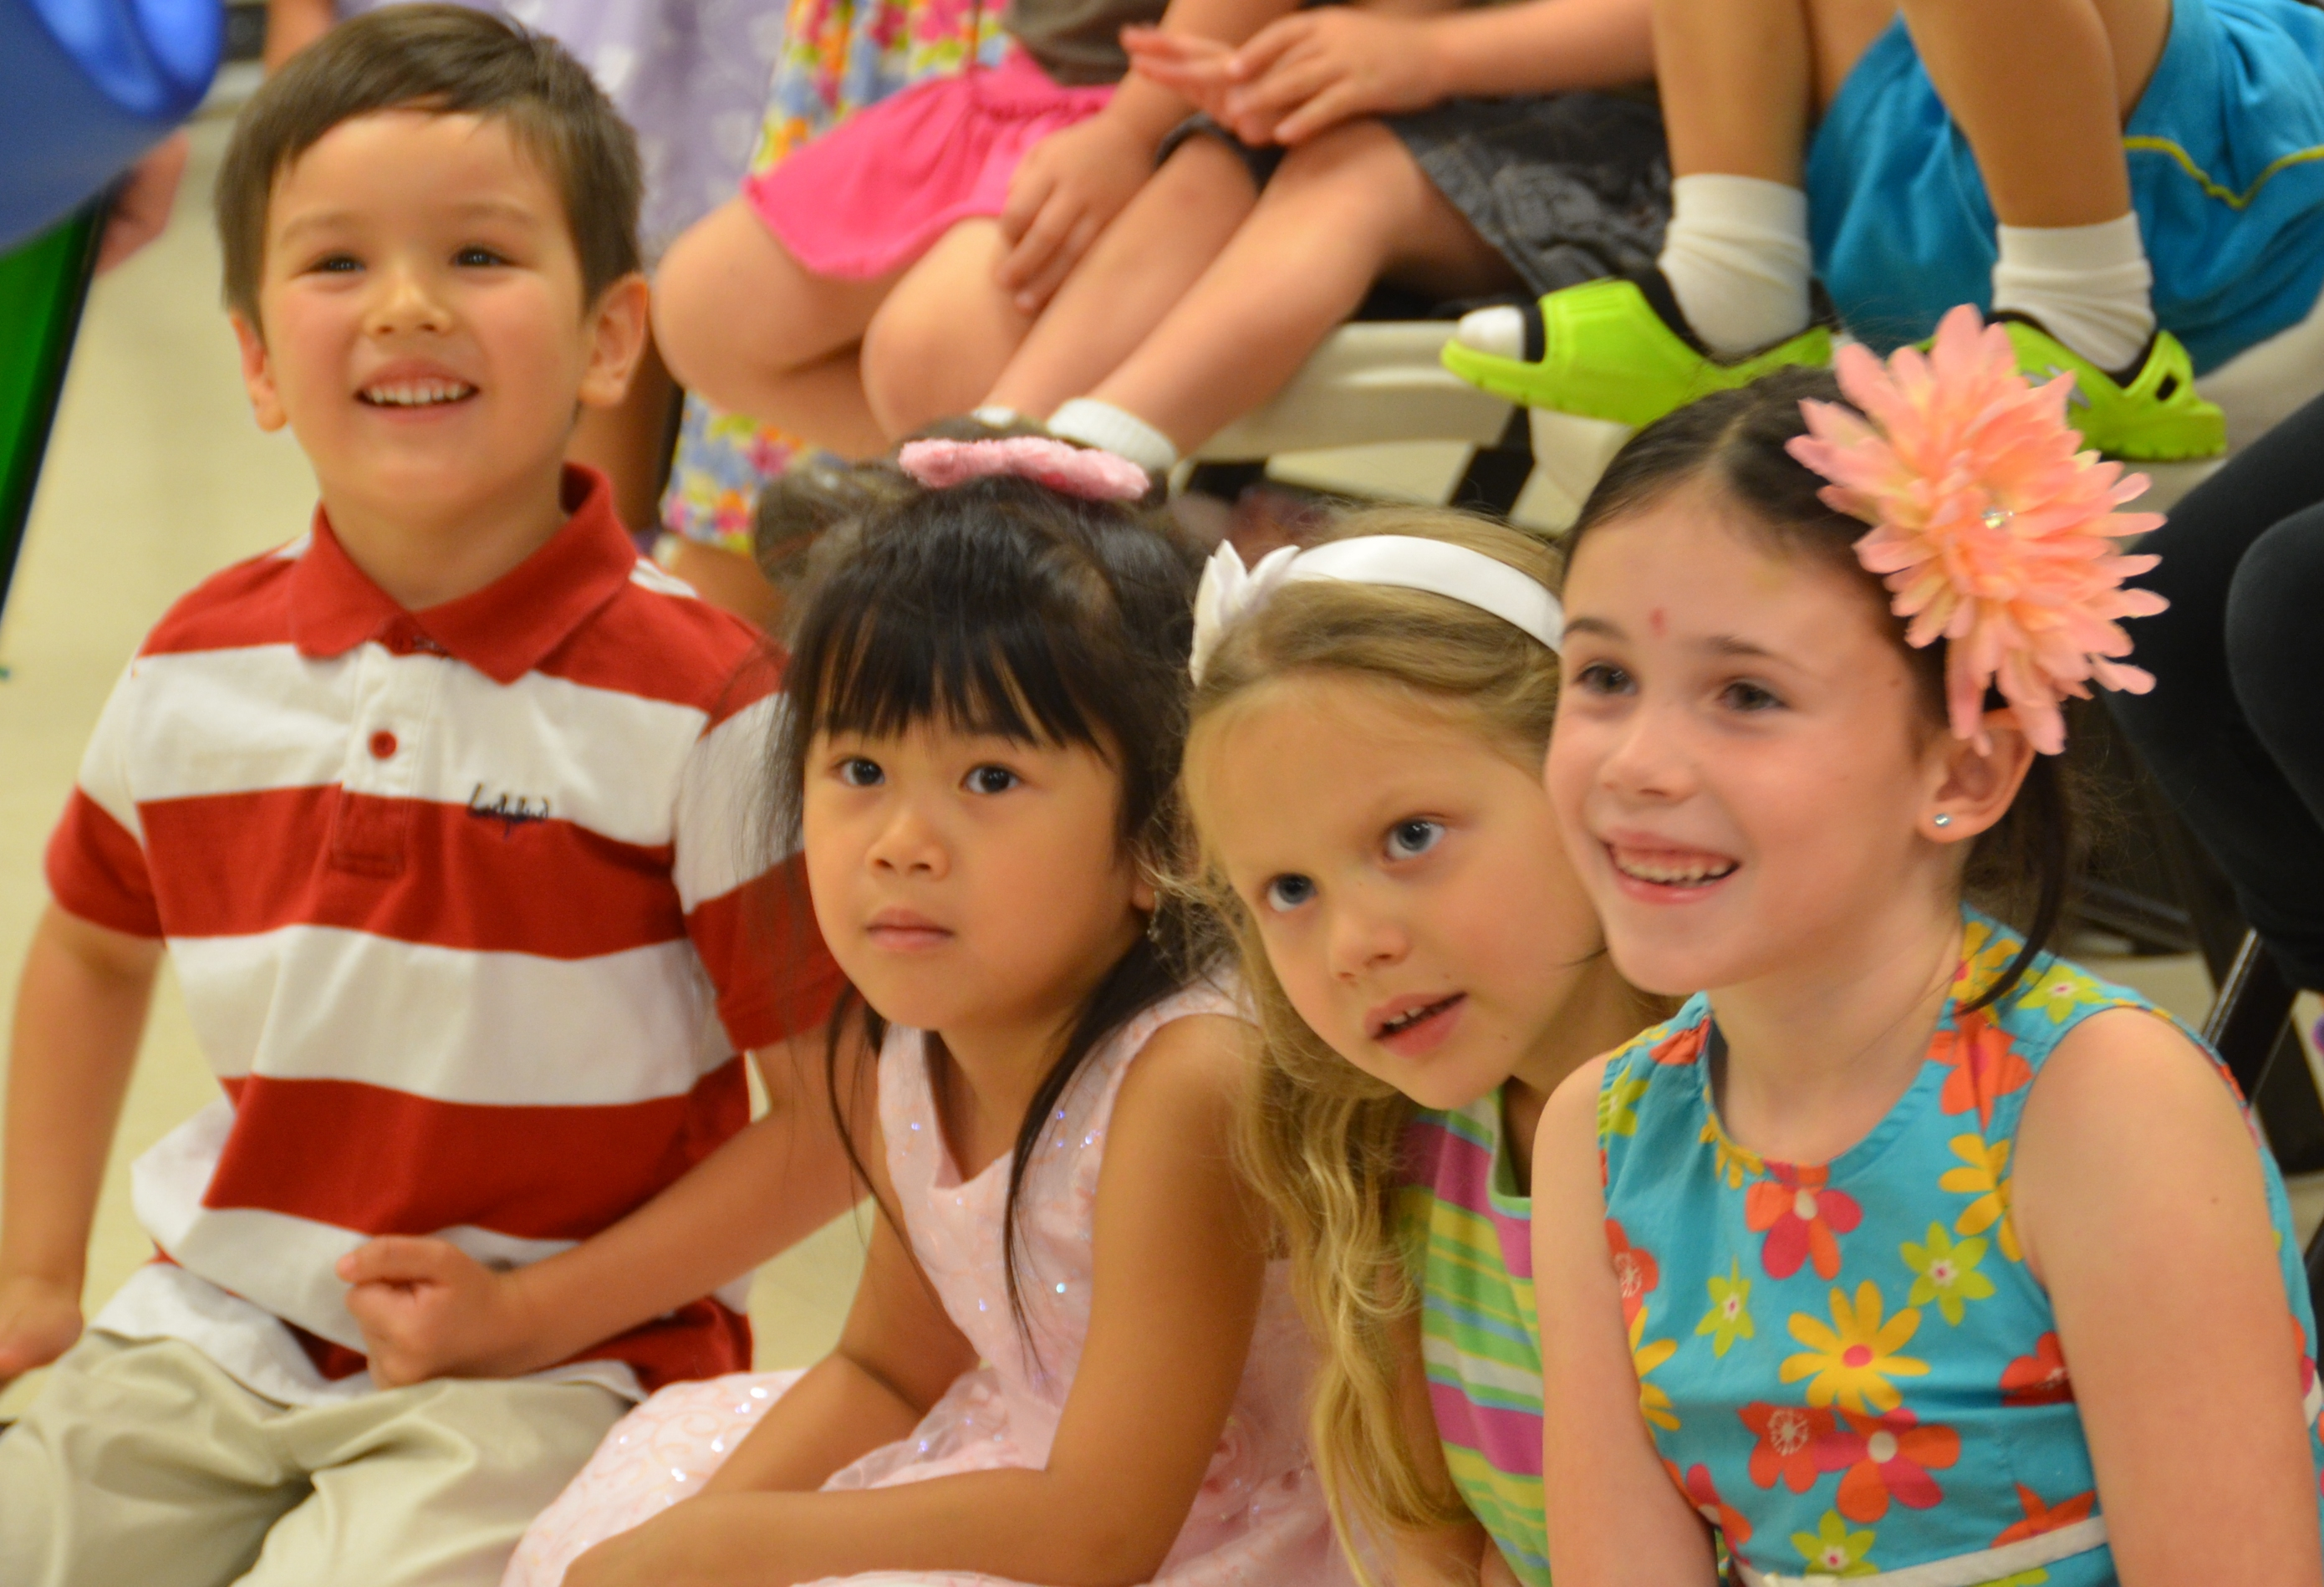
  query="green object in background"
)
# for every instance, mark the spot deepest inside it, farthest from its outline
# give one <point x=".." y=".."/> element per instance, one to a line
<point x="42" y="286"/>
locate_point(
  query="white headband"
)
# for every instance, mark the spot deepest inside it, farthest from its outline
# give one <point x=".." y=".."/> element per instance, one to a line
<point x="1403" y="561"/>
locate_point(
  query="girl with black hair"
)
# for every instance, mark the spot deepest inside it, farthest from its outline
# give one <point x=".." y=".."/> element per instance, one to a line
<point x="986" y="703"/>
<point x="1907" y="1250"/>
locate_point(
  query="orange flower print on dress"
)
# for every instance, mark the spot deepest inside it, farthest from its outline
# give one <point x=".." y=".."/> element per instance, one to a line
<point x="1802" y="1219"/>
<point x="1886" y="1457"/>
<point x="1701" y="1493"/>
<point x="2040" y="1379"/>
<point x="2045" y="1517"/>
<point x="1680" y="1050"/>
<point x="1633" y="1270"/>
<point x="1789" y="1436"/>
<point x="1985" y="1063"/>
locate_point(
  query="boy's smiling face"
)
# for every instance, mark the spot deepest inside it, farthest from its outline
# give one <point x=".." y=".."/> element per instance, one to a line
<point x="422" y="321"/>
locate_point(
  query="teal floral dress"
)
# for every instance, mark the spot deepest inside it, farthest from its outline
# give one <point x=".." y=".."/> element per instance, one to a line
<point x="1847" y="1366"/>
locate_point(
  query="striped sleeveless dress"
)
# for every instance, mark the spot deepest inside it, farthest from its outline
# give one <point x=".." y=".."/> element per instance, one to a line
<point x="1472" y="1235"/>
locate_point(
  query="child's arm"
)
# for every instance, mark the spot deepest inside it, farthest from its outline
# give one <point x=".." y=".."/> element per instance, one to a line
<point x="2139" y="1199"/>
<point x="290" y="26"/>
<point x="897" y="1354"/>
<point x="80" y="1010"/>
<point x="1316" y="69"/>
<point x="1451" y="1556"/>
<point x="1073" y="182"/>
<point x="1180" y="1259"/>
<point x="429" y="1310"/>
<point x="1613" y="1517"/>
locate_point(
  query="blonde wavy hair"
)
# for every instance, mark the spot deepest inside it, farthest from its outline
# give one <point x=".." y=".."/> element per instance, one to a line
<point x="1320" y="1140"/>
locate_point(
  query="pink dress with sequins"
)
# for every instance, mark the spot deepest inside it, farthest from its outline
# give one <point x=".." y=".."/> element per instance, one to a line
<point x="1260" y="1519"/>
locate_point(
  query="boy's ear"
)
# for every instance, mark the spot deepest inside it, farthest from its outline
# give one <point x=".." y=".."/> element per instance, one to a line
<point x="258" y="375"/>
<point x="1976" y="785"/>
<point x="617" y="341"/>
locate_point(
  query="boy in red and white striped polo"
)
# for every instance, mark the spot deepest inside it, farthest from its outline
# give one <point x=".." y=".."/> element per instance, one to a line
<point x="445" y="814"/>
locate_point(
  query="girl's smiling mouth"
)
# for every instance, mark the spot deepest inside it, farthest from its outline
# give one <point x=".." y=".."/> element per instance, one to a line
<point x="1665" y="872"/>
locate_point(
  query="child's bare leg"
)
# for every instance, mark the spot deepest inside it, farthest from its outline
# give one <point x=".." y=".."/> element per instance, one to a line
<point x="750" y="329"/>
<point x="1274" y="294"/>
<point x="2041" y="88"/>
<point x="1135" y="274"/>
<point x="629" y="444"/>
<point x="944" y="332"/>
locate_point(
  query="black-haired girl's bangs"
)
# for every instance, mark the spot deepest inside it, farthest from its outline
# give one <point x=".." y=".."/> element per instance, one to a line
<point x="888" y="656"/>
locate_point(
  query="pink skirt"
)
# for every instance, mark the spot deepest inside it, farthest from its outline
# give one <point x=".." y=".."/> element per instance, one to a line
<point x="875" y="192"/>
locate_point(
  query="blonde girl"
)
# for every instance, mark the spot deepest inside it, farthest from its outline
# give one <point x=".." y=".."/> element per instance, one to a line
<point x="1069" y="1360"/>
<point x="1363" y="770"/>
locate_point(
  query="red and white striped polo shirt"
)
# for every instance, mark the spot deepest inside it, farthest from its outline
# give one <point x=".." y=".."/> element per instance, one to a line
<point x="472" y="911"/>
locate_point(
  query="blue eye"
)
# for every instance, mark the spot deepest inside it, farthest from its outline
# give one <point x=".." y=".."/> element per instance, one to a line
<point x="1287" y="893"/>
<point x="1410" y="838"/>
<point x="856" y="772"/>
<point x="477" y="257"/>
<point x="991" y="780"/>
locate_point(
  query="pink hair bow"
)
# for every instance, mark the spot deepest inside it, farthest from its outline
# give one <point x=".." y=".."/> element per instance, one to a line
<point x="1077" y="471"/>
<point x="1990" y="527"/>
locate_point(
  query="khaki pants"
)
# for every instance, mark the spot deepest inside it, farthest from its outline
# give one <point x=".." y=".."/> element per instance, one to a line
<point x="143" y="1464"/>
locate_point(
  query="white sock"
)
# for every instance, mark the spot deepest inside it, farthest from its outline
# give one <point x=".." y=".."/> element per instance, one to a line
<point x="1737" y="260"/>
<point x="2090" y="286"/>
<point x="1114" y="429"/>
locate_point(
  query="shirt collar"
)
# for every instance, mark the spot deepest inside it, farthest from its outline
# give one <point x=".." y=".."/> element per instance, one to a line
<point x="505" y="630"/>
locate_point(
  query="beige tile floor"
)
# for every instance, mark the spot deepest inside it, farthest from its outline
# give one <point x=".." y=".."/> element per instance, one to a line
<point x="155" y="477"/>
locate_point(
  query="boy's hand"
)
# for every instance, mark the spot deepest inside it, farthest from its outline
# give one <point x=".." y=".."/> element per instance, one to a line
<point x="427" y="1309"/>
<point x="1064" y="193"/>
<point x="1304" y="73"/>
<point x="40" y="1318"/>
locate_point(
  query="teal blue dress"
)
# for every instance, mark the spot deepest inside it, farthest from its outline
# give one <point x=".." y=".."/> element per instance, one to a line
<point x="2226" y="155"/>
<point x="1848" y="1367"/>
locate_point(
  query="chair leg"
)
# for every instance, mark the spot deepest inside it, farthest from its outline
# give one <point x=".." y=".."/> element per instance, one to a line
<point x="1497" y="474"/>
<point x="2252" y="1011"/>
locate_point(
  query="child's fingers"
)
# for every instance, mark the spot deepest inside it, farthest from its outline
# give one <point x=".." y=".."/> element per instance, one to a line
<point x="1154" y="44"/>
<point x="1264" y="48"/>
<point x="1028" y="194"/>
<point x="1035" y="295"/>
<point x="397" y="1259"/>
<point x="1040" y="244"/>
<point x="1326" y="110"/>
<point x="1289" y="85"/>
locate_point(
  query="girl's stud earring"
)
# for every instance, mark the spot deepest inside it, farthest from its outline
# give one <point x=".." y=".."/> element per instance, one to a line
<point x="1941" y="820"/>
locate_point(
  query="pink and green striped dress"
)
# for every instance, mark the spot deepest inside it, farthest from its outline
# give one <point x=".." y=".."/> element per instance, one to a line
<point x="1473" y="1232"/>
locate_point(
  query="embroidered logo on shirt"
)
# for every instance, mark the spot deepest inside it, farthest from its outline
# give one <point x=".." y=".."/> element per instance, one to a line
<point x="510" y="810"/>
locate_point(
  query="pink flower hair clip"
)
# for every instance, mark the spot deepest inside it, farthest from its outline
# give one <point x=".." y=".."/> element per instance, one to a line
<point x="1990" y="527"/>
<point x="1077" y="471"/>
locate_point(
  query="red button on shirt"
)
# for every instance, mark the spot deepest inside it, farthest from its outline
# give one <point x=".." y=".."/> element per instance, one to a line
<point x="382" y="745"/>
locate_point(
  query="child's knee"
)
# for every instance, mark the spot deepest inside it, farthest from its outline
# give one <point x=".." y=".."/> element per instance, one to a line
<point x="936" y="347"/>
<point x="1359" y="175"/>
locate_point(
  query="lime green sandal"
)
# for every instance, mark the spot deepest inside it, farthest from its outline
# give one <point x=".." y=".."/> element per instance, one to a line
<point x="2157" y="418"/>
<point x="1602" y="351"/>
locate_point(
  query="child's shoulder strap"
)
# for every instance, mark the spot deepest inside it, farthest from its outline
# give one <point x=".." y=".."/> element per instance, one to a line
<point x="1656" y="1070"/>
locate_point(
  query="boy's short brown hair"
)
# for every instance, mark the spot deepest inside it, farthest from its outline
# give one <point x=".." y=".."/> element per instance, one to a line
<point x="450" y="60"/>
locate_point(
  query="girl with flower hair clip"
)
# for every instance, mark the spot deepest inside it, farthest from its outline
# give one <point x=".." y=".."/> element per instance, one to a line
<point x="1905" y="1251"/>
<point x="1364" y="773"/>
